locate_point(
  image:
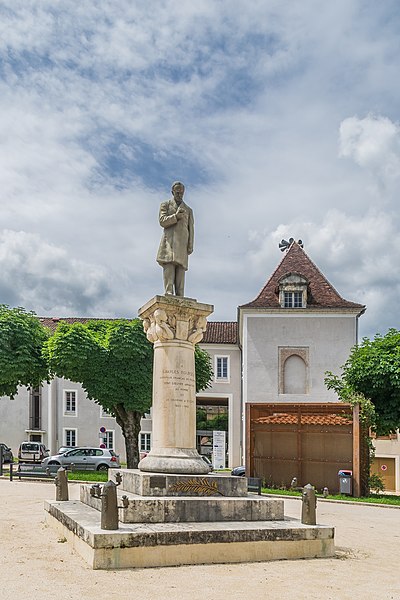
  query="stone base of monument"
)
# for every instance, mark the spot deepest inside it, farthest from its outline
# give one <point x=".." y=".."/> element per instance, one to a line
<point x="174" y="460"/>
<point x="181" y="520"/>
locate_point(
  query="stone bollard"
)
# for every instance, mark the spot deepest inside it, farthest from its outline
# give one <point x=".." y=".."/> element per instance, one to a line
<point x="109" y="503"/>
<point x="61" y="482"/>
<point x="109" y="506"/>
<point x="309" y="504"/>
<point x="325" y="492"/>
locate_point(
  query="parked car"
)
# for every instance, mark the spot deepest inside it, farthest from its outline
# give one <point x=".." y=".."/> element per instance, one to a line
<point x="33" y="452"/>
<point x="85" y="458"/>
<point x="7" y="453"/>
<point x="239" y="471"/>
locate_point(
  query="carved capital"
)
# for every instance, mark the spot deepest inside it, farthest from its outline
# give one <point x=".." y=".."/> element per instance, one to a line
<point x="168" y="318"/>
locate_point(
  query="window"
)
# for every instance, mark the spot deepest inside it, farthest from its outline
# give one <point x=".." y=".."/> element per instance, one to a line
<point x="70" y="403"/>
<point x="35" y="405"/>
<point x="222" y="368"/>
<point x="108" y="440"/>
<point x="145" y="442"/>
<point x="293" y="299"/>
<point x="104" y="412"/>
<point x="293" y="291"/>
<point x="70" y="437"/>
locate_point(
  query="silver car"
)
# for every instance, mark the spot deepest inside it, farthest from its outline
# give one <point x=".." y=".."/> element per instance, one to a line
<point x="85" y="459"/>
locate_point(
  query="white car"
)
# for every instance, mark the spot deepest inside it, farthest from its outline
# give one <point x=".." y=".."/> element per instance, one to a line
<point x="33" y="452"/>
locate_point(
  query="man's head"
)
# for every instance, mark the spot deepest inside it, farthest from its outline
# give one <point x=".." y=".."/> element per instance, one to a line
<point x="178" y="189"/>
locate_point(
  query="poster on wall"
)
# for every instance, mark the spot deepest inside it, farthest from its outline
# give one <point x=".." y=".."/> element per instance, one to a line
<point x="219" y="449"/>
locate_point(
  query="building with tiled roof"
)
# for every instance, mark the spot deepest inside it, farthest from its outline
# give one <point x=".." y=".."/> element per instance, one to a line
<point x="276" y="354"/>
<point x="320" y="294"/>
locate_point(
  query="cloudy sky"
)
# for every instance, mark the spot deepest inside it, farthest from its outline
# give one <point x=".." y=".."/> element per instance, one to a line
<point x="282" y="119"/>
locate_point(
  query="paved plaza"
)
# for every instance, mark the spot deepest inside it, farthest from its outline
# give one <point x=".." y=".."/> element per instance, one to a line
<point x="37" y="565"/>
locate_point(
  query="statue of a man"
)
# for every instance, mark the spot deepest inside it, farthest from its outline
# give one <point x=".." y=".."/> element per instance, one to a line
<point x="176" y="244"/>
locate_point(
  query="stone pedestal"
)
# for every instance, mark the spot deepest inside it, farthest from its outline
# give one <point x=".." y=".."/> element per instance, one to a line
<point x="174" y="325"/>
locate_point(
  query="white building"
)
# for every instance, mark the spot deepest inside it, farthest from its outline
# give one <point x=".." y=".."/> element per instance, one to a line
<point x="296" y="329"/>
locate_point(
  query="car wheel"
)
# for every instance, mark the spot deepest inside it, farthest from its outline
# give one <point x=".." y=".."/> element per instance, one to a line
<point x="102" y="468"/>
<point x="53" y="462"/>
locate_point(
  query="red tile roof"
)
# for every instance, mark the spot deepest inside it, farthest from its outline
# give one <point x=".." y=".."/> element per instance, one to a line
<point x="291" y="419"/>
<point x="320" y="293"/>
<point x="217" y="332"/>
<point x="221" y="332"/>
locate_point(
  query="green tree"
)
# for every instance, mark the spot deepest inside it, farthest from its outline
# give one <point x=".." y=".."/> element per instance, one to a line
<point x="373" y="370"/>
<point x="113" y="361"/>
<point x="21" y="341"/>
<point x="219" y="422"/>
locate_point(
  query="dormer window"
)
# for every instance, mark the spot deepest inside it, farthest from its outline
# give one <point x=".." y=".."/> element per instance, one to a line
<point x="293" y="291"/>
<point x="293" y="299"/>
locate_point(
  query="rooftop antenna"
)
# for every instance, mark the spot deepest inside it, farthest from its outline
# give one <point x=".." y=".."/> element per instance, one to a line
<point x="285" y="245"/>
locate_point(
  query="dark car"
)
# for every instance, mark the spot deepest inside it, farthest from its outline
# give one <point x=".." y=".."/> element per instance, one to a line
<point x="7" y="453"/>
<point x="239" y="471"/>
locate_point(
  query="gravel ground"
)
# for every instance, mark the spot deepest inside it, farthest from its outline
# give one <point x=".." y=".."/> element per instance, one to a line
<point x="37" y="565"/>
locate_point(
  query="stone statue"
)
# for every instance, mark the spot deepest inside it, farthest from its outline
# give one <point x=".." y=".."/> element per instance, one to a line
<point x="176" y="244"/>
<point x="198" y="331"/>
<point x="162" y="329"/>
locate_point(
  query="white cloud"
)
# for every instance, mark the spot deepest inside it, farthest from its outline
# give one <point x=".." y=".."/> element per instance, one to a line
<point x="39" y="274"/>
<point x="373" y="143"/>
<point x="103" y="105"/>
<point x="358" y="255"/>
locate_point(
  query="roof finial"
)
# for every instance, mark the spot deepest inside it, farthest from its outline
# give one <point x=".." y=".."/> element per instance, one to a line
<point x="285" y="245"/>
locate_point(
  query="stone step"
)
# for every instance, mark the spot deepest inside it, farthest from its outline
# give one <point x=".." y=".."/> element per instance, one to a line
<point x="172" y="544"/>
<point x="191" y="509"/>
<point x="165" y="484"/>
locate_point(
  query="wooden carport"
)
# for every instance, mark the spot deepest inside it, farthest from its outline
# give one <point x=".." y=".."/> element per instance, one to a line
<point x="311" y="442"/>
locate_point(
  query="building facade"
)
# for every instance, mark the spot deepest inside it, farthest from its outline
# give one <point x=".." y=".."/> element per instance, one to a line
<point x="276" y="353"/>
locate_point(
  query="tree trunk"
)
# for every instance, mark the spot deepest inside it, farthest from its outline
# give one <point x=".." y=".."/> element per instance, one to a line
<point x="129" y="421"/>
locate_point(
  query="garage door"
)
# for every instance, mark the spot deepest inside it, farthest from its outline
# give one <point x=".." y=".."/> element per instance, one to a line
<point x="385" y="467"/>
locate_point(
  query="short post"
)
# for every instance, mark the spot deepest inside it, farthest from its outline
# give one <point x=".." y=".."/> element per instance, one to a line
<point x="61" y="482"/>
<point x="309" y="504"/>
<point x="109" y="502"/>
<point x="325" y="492"/>
<point x="1" y="460"/>
<point x="109" y="506"/>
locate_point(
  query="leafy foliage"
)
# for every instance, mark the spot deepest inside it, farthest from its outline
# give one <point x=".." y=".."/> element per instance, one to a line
<point x="113" y="361"/>
<point x="373" y="370"/>
<point x="217" y="423"/>
<point x="203" y="369"/>
<point x="347" y="394"/>
<point x="21" y="341"/>
<point x="376" y="483"/>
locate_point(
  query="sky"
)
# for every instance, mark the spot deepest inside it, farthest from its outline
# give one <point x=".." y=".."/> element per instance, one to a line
<point x="281" y="118"/>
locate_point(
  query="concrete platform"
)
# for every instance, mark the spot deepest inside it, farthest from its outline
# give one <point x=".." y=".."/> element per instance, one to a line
<point x="166" y="509"/>
<point x="171" y="544"/>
